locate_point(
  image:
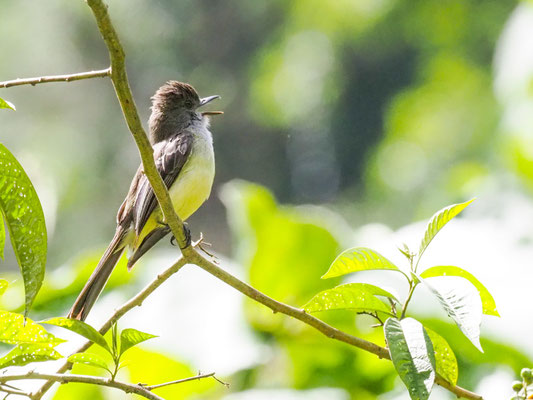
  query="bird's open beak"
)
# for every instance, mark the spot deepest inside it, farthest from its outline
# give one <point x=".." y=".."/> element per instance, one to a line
<point x="206" y="100"/>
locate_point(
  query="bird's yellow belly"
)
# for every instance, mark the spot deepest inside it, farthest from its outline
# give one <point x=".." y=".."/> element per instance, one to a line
<point x="190" y="190"/>
<point x="192" y="187"/>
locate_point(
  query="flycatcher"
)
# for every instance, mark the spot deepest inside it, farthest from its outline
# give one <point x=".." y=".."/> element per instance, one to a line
<point x="183" y="153"/>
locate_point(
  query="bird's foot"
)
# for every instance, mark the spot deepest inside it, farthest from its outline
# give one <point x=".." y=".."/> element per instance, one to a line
<point x="187" y="233"/>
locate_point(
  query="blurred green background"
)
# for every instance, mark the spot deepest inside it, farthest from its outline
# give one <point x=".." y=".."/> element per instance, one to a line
<point x="361" y="116"/>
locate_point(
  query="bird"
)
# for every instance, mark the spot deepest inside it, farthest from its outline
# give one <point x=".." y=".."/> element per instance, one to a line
<point x="183" y="154"/>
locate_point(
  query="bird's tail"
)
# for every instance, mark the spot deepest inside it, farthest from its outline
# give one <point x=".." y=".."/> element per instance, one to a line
<point x="98" y="279"/>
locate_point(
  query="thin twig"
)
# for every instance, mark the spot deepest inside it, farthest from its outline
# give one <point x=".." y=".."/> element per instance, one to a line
<point x="57" y="78"/>
<point x="8" y="390"/>
<point x="191" y="378"/>
<point x="10" y="386"/>
<point x="221" y="382"/>
<point x="89" y="379"/>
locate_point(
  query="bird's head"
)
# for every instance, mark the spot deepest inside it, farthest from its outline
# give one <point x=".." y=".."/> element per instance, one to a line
<point x="174" y="107"/>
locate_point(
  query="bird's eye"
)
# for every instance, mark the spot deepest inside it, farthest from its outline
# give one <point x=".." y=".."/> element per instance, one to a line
<point x="188" y="104"/>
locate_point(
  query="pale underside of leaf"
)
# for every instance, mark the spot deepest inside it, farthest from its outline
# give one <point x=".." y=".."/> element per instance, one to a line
<point x="445" y="357"/>
<point x="358" y="259"/>
<point x="24" y="218"/>
<point x="352" y="296"/>
<point x="487" y="301"/>
<point x="437" y="222"/>
<point x="24" y="354"/>
<point x="412" y="355"/>
<point x="460" y="299"/>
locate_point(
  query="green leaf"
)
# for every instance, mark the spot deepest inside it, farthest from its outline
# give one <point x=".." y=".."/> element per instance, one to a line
<point x="412" y="355"/>
<point x="81" y="328"/>
<point x="444" y="356"/>
<point x="438" y="221"/>
<point x="3" y="286"/>
<point x="25" y="221"/>
<point x="132" y="337"/>
<point x="487" y="301"/>
<point x="2" y="236"/>
<point x="7" y="104"/>
<point x="94" y="360"/>
<point x="15" y="330"/>
<point x="24" y="354"/>
<point x="358" y="259"/>
<point x="460" y="299"/>
<point x="352" y="296"/>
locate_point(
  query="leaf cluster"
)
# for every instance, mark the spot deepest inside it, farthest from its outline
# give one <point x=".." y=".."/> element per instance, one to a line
<point x="417" y="352"/>
<point x="120" y="343"/>
<point x="33" y="343"/>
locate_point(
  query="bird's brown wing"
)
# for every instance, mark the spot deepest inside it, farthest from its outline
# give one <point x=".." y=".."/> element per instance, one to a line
<point x="124" y="214"/>
<point x="170" y="157"/>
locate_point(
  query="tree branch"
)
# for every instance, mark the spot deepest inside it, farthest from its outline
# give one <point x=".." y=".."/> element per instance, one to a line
<point x="327" y="330"/>
<point x="57" y="78"/>
<point x="89" y="379"/>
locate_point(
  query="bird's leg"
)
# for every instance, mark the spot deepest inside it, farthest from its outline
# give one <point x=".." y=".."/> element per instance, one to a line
<point x="172" y="238"/>
<point x="187" y="232"/>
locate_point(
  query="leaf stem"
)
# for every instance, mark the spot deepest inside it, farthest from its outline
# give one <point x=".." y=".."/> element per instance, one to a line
<point x="116" y="355"/>
<point x="417" y="262"/>
<point x="375" y="315"/>
<point x="412" y="286"/>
